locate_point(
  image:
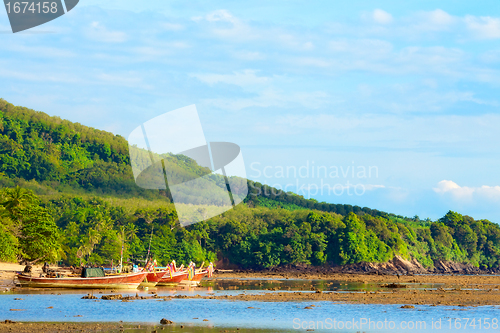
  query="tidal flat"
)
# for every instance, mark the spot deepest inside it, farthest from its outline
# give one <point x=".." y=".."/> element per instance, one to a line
<point x="263" y="302"/>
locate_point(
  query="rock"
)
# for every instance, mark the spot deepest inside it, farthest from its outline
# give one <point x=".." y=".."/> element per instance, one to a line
<point x="394" y="285"/>
<point x="111" y="297"/>
<point x="165" y="321"/>
<point x="407" y="307"/>
<point x="89" y="296"/>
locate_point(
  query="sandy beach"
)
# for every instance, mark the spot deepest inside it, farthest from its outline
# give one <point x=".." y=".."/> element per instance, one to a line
<point x="8" y="272"/>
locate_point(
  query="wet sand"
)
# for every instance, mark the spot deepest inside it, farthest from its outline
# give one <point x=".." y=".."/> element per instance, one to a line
<point x="449" y="279"/>
<point x="466" y="290"/>
<point x="20" y="327"/>
<point x="397" y="296"/>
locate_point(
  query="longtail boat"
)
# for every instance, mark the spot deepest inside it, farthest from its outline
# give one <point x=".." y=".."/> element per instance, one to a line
<point x="195" y="280"/>
<point x="176" y="278"/>
<point x="119" y="281"/>
<point x="152" y="278"/>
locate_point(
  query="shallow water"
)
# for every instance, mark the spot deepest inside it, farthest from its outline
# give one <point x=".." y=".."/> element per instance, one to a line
<point x="67" y="306"/>
<point x="304" y="285"/>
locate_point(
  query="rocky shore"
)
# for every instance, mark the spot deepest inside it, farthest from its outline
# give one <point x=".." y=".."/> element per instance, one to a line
<point x="396" y="266"/>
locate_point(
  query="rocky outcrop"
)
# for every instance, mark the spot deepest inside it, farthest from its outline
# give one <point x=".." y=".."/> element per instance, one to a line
<point x="443" y="267"/>
<point x="397" y="266"/>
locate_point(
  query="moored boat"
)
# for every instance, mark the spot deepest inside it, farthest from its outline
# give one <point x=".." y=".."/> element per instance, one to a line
<point x="198" y="276"/>
<point x="152" y="278"/>
<point x="172" y="280"/>
<point x="119" y="281"/>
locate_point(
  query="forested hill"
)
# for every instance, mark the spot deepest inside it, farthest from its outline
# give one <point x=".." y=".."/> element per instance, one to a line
<point x="76" y="201"/>
<point x="69" y="156"/>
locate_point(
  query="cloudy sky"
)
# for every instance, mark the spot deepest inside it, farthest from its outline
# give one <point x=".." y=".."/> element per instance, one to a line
<point x="385" y="104"/>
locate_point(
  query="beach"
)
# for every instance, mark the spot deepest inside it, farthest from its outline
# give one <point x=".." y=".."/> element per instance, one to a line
<point x="270" y="295"/>
<point x="465" y="290"/>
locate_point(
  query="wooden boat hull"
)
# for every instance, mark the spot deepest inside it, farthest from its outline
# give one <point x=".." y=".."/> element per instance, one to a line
<point x="152" y="278"/>
<point x="122" y="281"/>
<point x="196" y="279"/>
<point x="176" y="278"/>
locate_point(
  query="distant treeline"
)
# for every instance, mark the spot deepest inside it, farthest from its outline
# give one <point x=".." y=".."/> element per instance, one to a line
<point x="267" y="196"/>
<point x="91" y="230"/>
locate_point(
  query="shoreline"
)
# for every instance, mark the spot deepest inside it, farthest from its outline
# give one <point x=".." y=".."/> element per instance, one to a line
<point x="107" y="327"/>
<point x="451" y="279"/>
<point x="446" y="289"/>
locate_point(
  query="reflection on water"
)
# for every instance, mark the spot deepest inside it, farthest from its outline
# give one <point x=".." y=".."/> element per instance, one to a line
<point x="200" y="315"/>
<point x="304" y="285"/>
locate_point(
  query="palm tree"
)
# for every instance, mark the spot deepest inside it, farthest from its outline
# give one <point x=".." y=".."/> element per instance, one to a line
<point x="15" y="199"/>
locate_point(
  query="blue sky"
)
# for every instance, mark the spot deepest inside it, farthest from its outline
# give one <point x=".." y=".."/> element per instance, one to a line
<point x="406" y="90"/>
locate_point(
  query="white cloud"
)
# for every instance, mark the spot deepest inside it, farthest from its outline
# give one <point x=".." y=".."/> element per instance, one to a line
<point x="467" y="194"/>
<point x="97" y="31"/>
<point x="272" y="98"/>
<point x="243" y="78"/>
<point x="130" y="79"/>
<point x="484" y="27"/>
<point x="222" y="15"/>
<point x="381" y="16"/>
<point x="372" y="187"/>
<point x="430" y="21"/>
<point x="312" y="61"/>
<point x="40" y="51"/>
<point x="370" y="49"/>
<point x="224" y="24"/>
<point x="439" y="17"/>
<point x="28" y="75"/>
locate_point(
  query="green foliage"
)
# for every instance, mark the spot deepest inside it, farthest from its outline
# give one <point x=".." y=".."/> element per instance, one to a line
<point x="269" y="203"/>
<point x="27" y="229"/>
<point x="266" y="196"/>
<point x="9" y="249"/>
<point x="91" y="210"/>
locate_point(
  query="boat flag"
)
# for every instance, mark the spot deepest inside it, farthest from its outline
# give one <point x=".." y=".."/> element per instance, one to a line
<point x="169" y="267"/>
<point x="155" y="264"/>
<point x="191" y="271"/>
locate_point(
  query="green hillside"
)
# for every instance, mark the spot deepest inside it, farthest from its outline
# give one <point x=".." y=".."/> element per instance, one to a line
<point x="70" y="157"/>
<point x="77" y="201"/>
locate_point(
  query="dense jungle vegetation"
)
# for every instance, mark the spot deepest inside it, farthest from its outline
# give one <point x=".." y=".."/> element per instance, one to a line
<point x="68" y="194"/>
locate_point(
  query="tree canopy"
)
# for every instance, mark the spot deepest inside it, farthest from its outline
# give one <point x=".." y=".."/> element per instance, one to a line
<point x="67" y="193"/>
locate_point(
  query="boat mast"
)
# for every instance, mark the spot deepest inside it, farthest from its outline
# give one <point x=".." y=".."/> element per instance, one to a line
<point x="121" y="259"/>
<point x="149" y="248"/>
